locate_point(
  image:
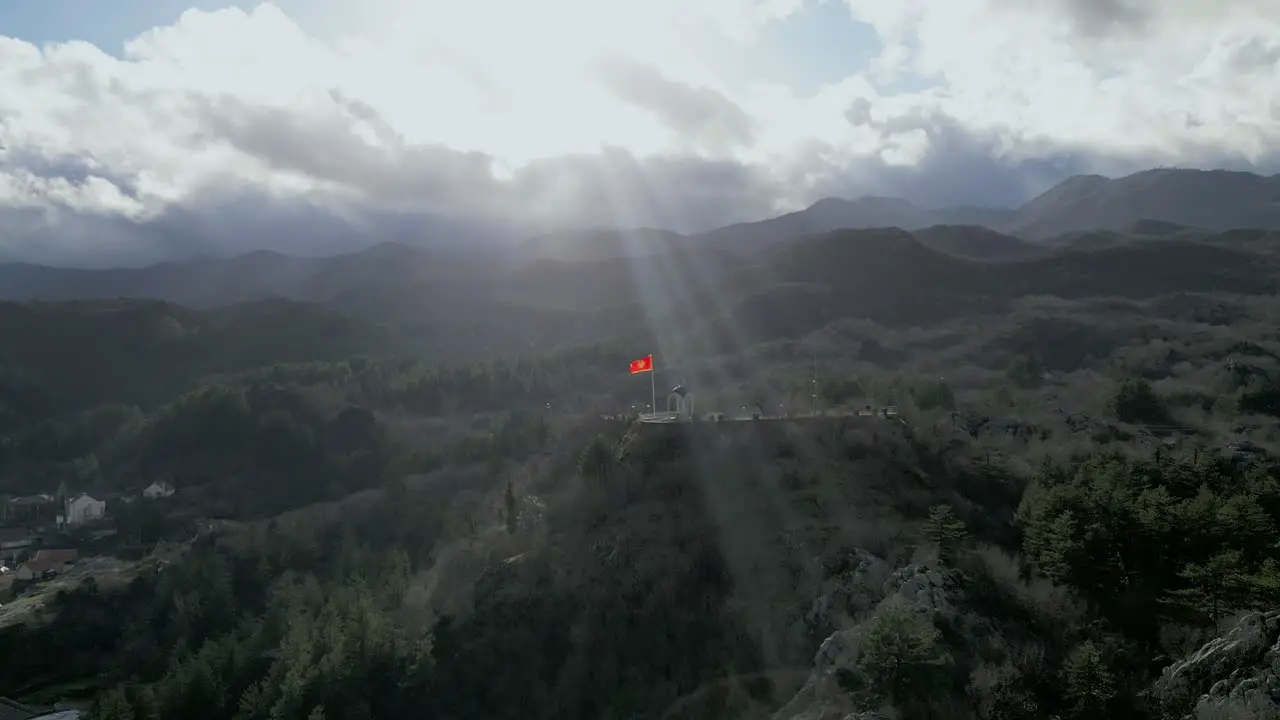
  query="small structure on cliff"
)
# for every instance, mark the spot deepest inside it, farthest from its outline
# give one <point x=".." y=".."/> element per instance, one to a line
<point x="679" y="408"/>
<point x="680" y="403"/>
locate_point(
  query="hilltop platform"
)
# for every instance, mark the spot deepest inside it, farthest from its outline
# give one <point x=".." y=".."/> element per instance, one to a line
<point x="667" y="418"/>
<point x="651" y="427"/>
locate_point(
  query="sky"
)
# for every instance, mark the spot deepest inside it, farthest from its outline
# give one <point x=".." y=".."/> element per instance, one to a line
<point x="149" y="129"/>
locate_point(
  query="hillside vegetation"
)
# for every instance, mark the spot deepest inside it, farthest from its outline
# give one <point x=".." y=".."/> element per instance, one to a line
<point x="460" y="306"/>
<point x="1072" y="514"/>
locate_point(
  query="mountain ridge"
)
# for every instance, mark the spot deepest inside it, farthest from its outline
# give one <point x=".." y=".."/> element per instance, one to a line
<point x="771" y="278"/>
<point x="1209" y="200"/>
<point x="465" y="306"/>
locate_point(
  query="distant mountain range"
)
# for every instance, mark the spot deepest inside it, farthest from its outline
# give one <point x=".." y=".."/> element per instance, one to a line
<point x="1211" y="200"/>
<point x="448" y="306"/>
<point x="1158" y="232"/>
<point x="459" y="305"/>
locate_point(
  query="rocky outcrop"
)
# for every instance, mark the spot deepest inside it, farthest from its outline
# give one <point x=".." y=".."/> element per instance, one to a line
<point x="851" y="592"/>
<point x="1235" y="676"/>
<point x="930" y="592"/>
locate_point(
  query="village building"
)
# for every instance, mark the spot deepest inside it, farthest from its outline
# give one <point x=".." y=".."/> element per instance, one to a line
<point x="45" y="562"/>
<point x="31" y="508"/>
<point x="14" y="542"/>
<point x="83" y="509"/>
<point x="158" y="489"/>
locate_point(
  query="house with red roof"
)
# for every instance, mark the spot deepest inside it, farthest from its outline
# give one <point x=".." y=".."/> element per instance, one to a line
<point x="46" y="561"/>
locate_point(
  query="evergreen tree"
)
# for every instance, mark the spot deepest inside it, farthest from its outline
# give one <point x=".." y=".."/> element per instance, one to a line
<point x="114" y="705"/>
<point x="595" y="460"/>
<point x="1217" y="587"/>
<point x="1089" y="685"/>
<point x="945" y="530"/>
<point x="1136" y="402"/>
<point x="509" y="507"/>
<point x="1266" y="583"/>
<point x="898" y="647"/>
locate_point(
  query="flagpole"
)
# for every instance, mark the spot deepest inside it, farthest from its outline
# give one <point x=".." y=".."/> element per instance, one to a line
<point x="653" y="388"/>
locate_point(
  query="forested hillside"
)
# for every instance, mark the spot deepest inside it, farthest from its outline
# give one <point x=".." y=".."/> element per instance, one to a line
<point x="654" y="584"/>
<point x="59" y="357"/>
<point x="1075" y="499"/>
<point x="645" y="288"/>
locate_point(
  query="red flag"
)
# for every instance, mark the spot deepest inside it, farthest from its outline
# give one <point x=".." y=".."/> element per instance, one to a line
<point x="644" y="364"/>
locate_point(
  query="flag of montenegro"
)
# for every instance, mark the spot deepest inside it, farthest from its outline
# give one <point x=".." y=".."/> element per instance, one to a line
<point x="644" y="364"/>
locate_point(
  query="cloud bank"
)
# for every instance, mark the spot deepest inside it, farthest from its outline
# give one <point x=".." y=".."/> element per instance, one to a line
<point x="232" y="130"/>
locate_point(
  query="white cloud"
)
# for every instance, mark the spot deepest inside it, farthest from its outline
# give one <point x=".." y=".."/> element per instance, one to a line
<point x="1116" y="76"/>
<point x="585" y="111"/>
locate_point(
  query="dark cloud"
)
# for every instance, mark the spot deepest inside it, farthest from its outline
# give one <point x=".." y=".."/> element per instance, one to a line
<point x="859" y="112"/>
<point x="1104" y="17"/>
<point x="75" y="169"/>
<point x="1093" y="19"/>
<point x="371" y="184"/>
<point x="990" y="168"/>
<point x="700" y="115"/>
<point x="961" y="166"/>
<point x="609" y="188"/>
<point x="390" y="190"/>
<point x="1254" y="54"/>
<point x="66" y="237"/>
<point x="326" y="146"/>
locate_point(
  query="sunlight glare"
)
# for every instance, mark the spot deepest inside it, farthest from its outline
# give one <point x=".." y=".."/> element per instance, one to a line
<point x="517" y="80"/>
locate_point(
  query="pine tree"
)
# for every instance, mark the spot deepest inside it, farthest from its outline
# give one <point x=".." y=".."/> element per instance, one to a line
<point x="1266" y="582"/>
<point x="114" y="705"/>
<point x="509" y="506"/>
<point x="595" y="459"/>
<point x="1135" y="402"/>
<point x="898" y="645"/>
<point x="1217" y="588"/>
<point x="945" y="530"/>
<point x="1089" y="684"/>
<point x="1243" y="523"/>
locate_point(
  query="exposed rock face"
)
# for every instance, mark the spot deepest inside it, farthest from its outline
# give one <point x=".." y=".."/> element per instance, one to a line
<point x="852" y="592"/>
<point x="927" y="591"/>
<point x="1236" y="676"/>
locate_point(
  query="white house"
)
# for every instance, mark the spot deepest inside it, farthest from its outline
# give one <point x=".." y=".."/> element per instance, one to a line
<point x="82" y="509"/>
<point x="158" y="489"/>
